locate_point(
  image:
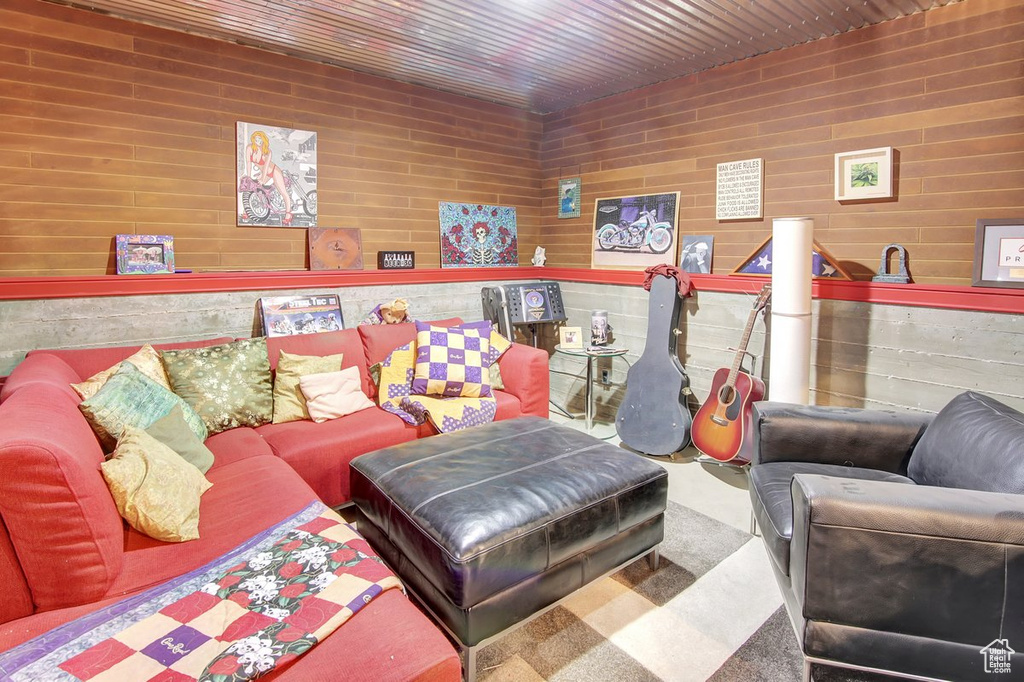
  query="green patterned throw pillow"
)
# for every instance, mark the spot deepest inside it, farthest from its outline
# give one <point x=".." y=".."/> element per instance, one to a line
<point x="129" y="398"/>
<point x="227" y="385"/>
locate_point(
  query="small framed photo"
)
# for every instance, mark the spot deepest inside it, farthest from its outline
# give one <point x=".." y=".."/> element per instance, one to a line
<point x="569" y="197"/>
<point x="864" y="174"/>
<point x="999" y="254"/>
<point x="571" y="337"/>
<point x="696" y="253"/>
<point x="144" y="254"/>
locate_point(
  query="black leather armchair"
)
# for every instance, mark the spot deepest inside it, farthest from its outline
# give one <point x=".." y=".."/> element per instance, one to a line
<point x="897" y="540"/>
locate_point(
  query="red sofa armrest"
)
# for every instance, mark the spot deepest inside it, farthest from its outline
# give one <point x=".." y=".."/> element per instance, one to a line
<point x="524" y="371"/>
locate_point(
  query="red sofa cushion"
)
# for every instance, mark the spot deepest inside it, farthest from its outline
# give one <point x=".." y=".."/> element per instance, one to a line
<point x="234" y="445"/>
<point x="380" y="339"/>
<point x="41" y="368"/>
<point x="246" y="497"/>
<point x="58" y="511"/>
<point x="17" y="599"/>
<point x="320" y="453"/>
<point x="346" y="342"/>
<point x="87" y="361"/>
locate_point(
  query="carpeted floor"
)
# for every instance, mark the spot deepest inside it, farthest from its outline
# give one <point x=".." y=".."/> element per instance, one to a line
<point x="711" y="612"/>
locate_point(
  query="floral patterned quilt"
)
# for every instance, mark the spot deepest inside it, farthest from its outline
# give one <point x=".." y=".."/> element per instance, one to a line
<point x="256" y="608"/>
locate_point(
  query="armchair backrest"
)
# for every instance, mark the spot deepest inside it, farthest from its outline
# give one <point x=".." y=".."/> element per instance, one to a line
<point x="974" y="442"/>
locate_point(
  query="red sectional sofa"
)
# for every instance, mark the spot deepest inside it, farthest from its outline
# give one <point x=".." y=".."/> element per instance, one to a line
<point x="65" y="551"/>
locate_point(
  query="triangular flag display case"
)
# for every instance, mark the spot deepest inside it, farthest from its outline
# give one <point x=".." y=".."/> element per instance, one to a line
<point x="823" y="264"/>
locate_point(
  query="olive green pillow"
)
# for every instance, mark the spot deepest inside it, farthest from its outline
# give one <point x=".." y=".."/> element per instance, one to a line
<point x="156" y="491"/>
<point x="495" y="377"/>
<point x="227" y="385"/>
<point x="172" y="430"/>
<point x="130" y="398"/>
<point x="289" y="403"/>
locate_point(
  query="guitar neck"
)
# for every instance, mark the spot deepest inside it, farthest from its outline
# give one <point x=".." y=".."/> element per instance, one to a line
<point x="741" y="351"/>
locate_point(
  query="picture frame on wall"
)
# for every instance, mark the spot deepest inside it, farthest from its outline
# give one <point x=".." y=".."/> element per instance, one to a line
<point x="276" y="176"/>
<point x="999" y="253"/>
<point x="864" y="174"/>
<point x="478" y="235"/>
<point x="569" y="192"/>
<point x="696" y="254"/>
<point x="144" y="254"/>
<point x="635" y="232"/>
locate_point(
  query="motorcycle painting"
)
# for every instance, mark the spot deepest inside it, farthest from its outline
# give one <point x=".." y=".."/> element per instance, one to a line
<point x="276" y="176"/>
<point x="635" y="232"/>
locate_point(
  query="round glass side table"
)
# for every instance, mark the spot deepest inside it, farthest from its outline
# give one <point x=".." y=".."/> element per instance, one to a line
<point x="591" y="354"/>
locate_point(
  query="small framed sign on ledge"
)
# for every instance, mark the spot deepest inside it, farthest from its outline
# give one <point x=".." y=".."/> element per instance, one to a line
<point x="999" y="254"/>
<point x="396" y="260"/>
<point x="144" y="254"/>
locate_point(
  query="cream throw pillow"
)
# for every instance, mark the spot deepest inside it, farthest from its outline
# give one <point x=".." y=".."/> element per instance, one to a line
<point x="146" y="360"/>
<point x="289" y="403"/>
<point x="155" y="490"/>
<point x="333" y="394"/>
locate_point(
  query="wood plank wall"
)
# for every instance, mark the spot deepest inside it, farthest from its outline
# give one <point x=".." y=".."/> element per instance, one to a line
<point x="108" y="127"/>
<point x="944" y="88"/>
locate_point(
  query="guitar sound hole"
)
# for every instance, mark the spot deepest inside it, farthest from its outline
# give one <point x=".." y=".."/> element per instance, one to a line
<point x="726" y="395"/>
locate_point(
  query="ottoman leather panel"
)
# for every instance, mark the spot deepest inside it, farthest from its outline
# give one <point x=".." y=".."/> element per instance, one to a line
<point x="480" y="510"/>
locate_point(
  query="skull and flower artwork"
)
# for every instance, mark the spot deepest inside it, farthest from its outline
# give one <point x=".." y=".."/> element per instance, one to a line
<point x="478" y="235"/>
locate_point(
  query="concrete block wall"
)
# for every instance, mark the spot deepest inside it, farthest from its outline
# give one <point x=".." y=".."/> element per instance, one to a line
<point x="862" y="354"/>
<point x="134" y="320"/>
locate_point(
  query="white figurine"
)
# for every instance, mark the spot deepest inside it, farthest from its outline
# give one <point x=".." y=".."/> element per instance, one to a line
<point x="539" y="257"/>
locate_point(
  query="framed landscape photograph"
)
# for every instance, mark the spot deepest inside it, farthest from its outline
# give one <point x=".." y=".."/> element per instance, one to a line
<point x="999" y="254"/>
<point x="144" y="254"/>
<point x="864" y="174"/>
<point x="635" y="232"/>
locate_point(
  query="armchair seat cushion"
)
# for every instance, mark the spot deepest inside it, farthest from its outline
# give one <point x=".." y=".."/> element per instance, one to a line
<point x="773" y="500"/>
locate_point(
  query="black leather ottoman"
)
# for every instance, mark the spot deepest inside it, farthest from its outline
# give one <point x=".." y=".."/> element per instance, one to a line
<point x="491" y="525"/>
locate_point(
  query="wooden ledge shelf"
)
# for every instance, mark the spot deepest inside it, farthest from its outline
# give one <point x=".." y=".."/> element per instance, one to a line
<point x="986" y="299"/>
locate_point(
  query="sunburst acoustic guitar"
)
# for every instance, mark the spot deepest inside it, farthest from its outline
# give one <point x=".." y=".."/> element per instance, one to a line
<point x="721" y="428"/>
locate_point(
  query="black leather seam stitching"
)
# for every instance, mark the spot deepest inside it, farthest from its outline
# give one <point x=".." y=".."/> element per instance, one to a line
<point x="504" y="474"/>
<point x="389" y="473"/>
<point x="543" y="527"/>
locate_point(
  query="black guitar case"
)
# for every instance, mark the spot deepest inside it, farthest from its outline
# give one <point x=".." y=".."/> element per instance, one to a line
<point x="653" y="417"/>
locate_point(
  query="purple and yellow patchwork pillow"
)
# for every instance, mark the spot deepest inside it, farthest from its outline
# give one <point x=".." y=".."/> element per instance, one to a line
<point x="452" y="361"/>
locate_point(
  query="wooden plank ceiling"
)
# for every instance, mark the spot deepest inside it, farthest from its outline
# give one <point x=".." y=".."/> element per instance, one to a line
<point x="538" y="55"/>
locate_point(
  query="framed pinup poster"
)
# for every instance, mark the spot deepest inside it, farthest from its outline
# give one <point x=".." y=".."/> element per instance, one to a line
<point x="276" y="170"/>
<point x="635" y="232"/>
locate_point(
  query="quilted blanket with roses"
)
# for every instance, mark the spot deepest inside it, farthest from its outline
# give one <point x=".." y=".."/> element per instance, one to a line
<point x="251" y="610"/>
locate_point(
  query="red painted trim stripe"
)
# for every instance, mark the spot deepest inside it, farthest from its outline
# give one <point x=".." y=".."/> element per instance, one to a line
<point x="987" y="299"/>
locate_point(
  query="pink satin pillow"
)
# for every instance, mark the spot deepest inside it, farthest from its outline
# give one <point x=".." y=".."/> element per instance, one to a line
<point x="330" y="395"/>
